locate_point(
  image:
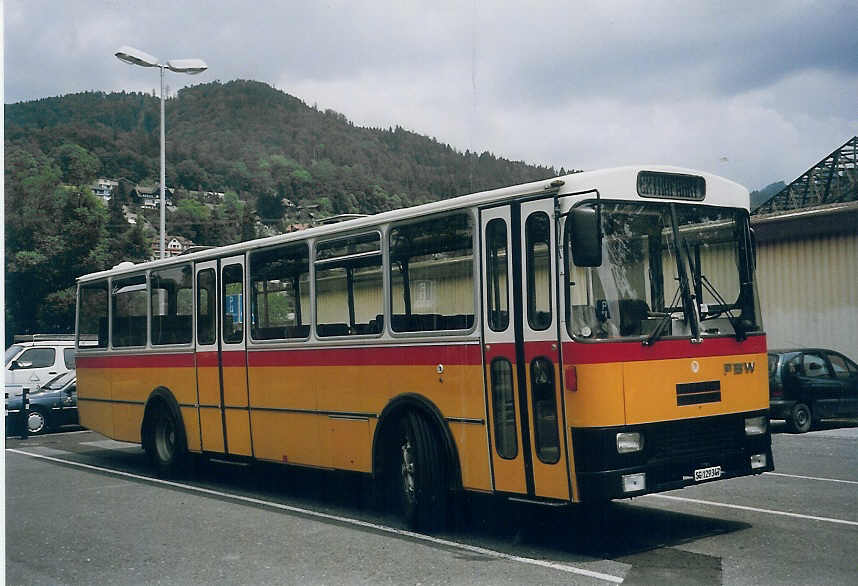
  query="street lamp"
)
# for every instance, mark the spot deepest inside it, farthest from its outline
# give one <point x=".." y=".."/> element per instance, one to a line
<point x="190" y="66"/>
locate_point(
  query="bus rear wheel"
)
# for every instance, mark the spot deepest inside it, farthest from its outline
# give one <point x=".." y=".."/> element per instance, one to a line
<point x="165" y="443"/>
<point x="417" y="473"/>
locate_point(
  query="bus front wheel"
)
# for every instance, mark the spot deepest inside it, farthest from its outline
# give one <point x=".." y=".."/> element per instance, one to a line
<point x="418" y="474"/>
<point x="165" y="443"/>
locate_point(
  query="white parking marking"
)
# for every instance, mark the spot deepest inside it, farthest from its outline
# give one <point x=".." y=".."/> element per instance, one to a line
<point x="111" y="445"/>
<point x="753" y="509"/>
<point x="346" y="520"/>
<point x="47" y="451"/>
<point x="811" y="477"/>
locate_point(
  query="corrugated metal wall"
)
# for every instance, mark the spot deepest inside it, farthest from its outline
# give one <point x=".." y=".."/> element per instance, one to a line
<point x="809" y="292"/>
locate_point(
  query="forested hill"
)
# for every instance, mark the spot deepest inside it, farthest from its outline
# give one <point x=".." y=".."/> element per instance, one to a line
<point x="262" y="143"/>
<point x="276" y="160"/>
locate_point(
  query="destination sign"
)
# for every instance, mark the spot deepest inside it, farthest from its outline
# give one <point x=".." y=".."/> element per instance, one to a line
<point x="671" y="185"/>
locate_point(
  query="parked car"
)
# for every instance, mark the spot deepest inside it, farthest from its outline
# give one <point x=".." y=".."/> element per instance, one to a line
<point x="51" y="405"/>
<point x="807" y="385"/>
<point x="35" y="359"/>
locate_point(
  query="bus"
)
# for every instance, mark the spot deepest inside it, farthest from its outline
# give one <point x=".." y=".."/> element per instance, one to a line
<point x="589" y="337"/>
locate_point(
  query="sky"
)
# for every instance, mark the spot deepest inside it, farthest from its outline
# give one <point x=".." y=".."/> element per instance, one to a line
<point x="755" y="91"/>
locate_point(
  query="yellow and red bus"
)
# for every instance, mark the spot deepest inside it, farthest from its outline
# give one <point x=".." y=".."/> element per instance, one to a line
<point x="584" y="338"/>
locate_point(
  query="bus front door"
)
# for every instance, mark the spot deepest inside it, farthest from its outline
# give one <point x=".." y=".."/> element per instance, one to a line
<point x="521" y="349"/>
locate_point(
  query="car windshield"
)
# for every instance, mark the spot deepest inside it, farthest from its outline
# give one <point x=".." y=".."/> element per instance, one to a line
<point x="667" y="270"/>
<point x="11" y="352"/>
<point x="773" y="363"/>
<point x="59" y="381"/>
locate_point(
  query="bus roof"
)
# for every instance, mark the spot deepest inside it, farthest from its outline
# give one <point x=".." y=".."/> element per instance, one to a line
<point x="613" y="183"/>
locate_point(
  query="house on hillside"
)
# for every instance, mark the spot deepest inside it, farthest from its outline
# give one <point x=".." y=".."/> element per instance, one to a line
<point x="150" y="197"/>
<point x="103" y="188"/>
<point x="173" y="246"/>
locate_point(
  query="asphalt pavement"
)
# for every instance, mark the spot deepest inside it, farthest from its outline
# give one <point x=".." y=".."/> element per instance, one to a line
<point x="82" y="509"/>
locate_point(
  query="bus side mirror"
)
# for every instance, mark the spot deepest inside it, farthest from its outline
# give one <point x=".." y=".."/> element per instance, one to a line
<point x="586" y="236"/>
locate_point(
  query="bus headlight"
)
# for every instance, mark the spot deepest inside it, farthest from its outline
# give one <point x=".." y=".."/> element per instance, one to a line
<point x="756" y="425"/>
<point x="628" y="442"/>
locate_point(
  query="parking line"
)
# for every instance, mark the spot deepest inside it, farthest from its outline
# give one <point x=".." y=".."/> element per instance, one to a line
<point x="345" y="520"/>
<point x="753" y="509"/>
<point x="810" y="477"/>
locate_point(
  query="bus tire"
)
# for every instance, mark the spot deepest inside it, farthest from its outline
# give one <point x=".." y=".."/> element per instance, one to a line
<point x="418" y="474"/>
<point x="800" y="418"/>
<point x="164" y="442"/>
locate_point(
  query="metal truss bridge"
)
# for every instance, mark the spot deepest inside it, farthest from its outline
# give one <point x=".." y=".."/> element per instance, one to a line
<point x="832" y="180"/>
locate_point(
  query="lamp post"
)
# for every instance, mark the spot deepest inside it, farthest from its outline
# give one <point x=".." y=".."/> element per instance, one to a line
<point x="190" y="66"/>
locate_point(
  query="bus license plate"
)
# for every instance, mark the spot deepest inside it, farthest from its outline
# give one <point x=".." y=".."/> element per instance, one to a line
<point x="707" y="473"/>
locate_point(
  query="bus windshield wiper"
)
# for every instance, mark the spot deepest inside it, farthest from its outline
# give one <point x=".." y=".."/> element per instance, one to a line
<point x="689" y="306"/>
<point x="735" y="322"/>
<point x="656" y="333"/>
<point x="704" y="282"/>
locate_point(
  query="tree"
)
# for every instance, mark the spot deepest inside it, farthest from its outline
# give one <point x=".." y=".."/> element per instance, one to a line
<point x="78" y="165"/>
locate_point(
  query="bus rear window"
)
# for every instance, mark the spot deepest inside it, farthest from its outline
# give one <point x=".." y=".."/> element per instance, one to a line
<point x="92" y="315"/>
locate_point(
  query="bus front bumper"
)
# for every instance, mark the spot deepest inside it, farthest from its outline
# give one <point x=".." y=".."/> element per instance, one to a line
<point x="676" y="454"/>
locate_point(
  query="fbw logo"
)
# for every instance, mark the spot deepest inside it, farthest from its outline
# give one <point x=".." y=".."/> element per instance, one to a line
<point x="739" y="367"/>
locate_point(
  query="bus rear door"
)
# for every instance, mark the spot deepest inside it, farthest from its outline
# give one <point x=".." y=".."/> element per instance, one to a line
<point x="221" y="357"/>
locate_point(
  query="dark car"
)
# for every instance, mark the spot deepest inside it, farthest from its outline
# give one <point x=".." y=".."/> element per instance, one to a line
<point x="51" y="405"/>
<point x="807" y="385"/>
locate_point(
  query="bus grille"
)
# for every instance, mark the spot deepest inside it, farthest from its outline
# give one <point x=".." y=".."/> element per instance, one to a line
<point x="697" y="393"/>
<point x="694" y="437"/>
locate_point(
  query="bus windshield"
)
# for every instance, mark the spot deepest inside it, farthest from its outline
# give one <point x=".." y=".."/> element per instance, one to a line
<point x="667" y="270"/>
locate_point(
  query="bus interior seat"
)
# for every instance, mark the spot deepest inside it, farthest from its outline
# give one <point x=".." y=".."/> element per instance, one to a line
<point x="632" y="314"/>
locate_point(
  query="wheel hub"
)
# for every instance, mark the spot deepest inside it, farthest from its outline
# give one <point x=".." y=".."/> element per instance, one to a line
<point x="407" y="471"/>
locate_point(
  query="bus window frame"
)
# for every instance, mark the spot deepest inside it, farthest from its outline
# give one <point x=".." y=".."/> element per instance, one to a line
<point x="473" y="213"/>
<point x="192" y="288"/>
<point x="314" y="261"/>
<point x="308" y="314"/>
<point x="125" y="276"/>
<point x="93" y="348"/>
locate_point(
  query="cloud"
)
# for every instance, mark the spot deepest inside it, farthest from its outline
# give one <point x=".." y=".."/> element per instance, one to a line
<point x="769" y="86"/>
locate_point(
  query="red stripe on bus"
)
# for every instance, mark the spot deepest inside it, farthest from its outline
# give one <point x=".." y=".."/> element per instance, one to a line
<point x="210" y="359"/>
<point x="205" y="359"/>
<point x="602" y="352"/>
<point x="234" y="358"/>
<point x="458" y="354"/>
<point x="137" y="361"/>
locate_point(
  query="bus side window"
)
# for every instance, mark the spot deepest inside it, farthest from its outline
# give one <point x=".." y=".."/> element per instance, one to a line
<point x="544" y="410"/>
<point x="233" y="304"/>
<point x="170" y="291"/>
<point x="432" y="274"/>
<point x="538" y="263"/>
<point x="349" y="289"/>
<point x="129" y="311"/>
<point x="206" y="307"/>
<point x="497" y="290"/>
<point x="280" y="292"/>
